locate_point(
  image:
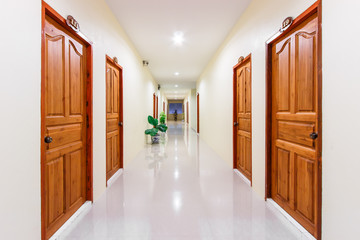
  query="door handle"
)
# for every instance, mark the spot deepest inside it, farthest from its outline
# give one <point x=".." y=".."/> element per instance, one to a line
<point x="314" y="135"/>
<point x="120" y="124"/>
<point x="236" y="124"/>
<point x="48" y="139"/>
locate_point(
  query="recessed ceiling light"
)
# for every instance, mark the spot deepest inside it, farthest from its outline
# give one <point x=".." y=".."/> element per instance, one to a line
<point x="178" y="38"/>
<point x="176" y="85"/>
<point x="176" y="73"/>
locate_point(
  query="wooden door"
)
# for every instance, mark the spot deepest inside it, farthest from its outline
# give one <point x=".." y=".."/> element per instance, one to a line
<point x="154" y="105"/>
<point x="198" y="112"/>
<point x="113" y="118"/>
<point x="64" y="119"/>
<point x="157" y="107"/>
<point x="242" y="126"/>
<point x="187" y="112"/>
<point x="164" y="107"/>
<point x="295" y="152"/>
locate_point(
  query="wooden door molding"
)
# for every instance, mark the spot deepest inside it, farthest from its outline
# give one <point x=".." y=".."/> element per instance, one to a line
<point x="119" y="115"/>
<point x="247" y="130"/>
<point x="314" y="9"/>
<point x="48" y="12"/>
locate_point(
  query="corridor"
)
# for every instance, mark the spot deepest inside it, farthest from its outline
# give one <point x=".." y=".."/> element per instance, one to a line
<point x="180" y="189"/>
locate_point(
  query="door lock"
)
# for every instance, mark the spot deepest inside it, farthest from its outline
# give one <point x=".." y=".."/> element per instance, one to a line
<point x="48" y="139"/>
<point x="120" y="124"/>
<point x="314" y="135"/>
<point x="236" y="124"/>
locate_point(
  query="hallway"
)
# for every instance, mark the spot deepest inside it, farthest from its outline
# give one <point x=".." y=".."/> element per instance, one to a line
<point x="180" y="189"/>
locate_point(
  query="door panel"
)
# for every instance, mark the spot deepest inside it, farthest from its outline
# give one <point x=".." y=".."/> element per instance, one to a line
<point x="65" y="161"/>
<point x="113" y="142"/>
<point x="294" y="117"/>
<point x="243" y="118"/>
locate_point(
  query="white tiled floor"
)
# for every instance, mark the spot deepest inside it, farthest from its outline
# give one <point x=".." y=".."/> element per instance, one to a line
<point x="180" y="190"/>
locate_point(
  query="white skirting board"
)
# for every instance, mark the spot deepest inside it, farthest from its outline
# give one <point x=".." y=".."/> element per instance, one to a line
<point x="80" y="212"/>
<point x="304" y="233"/>
<point x="114" y="177"/>
<point x="247" y="181"/>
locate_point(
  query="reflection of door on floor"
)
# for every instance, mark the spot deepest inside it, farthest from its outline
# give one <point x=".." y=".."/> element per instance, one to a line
<point x="295" y="151"/>
<point x="114" y="140"/>
<point x="242" y="124"/>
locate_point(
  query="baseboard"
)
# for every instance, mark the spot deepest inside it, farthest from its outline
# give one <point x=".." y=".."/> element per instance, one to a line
<point x="304" y="233"/>
<point x="247" y="181"/>
<point x="114" y="177"/>
<point x="80" y="212"/>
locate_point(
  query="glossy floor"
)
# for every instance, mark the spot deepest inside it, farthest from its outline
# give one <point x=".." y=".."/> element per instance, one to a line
<point x="180" y="189"/>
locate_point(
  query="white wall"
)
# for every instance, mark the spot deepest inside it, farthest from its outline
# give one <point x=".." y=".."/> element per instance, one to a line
<point x="341" y="111"/>
<point x="20" y="45"/>
<point x="20" y="60"/>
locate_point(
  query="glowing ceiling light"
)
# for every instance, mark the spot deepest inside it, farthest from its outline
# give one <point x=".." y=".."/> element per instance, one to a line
<point x="176" y="85"/>
<point x="176" y="73"/>
<point x="178" y="38"/>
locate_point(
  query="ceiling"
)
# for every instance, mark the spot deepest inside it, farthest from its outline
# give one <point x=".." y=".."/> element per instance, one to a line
<point x="177" y="91"/>
<point x="151" y="25"/>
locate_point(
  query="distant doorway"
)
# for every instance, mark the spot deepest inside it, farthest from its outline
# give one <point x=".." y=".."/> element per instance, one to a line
<point x="187" y="112"/>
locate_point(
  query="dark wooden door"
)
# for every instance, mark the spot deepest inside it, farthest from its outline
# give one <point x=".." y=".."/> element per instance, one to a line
<point x="164" y="107"/>
<point x="243" y="118"/>
<point x="113" y="120"/>
<point x="65" y="125"/>
<point x="157" y="107"/>
<point x="295" y="149"/>
<point x="187" y="112"/>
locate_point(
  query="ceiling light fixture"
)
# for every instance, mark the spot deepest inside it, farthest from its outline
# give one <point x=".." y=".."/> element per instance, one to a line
<point x="176" y="85"/>
<point x="178" y="38"/>
<point x="176" y="73"/>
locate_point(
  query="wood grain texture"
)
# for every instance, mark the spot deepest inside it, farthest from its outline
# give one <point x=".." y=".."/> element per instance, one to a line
<point x="293" y="179"/>
<point x="242" y="117"/>
<point x="66" y="162"/>
<point x="114" y="136"/>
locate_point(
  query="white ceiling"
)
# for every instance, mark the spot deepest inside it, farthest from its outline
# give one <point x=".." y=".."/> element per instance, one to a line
<point x="151" y="25"/>
<point x="177" y="91"/>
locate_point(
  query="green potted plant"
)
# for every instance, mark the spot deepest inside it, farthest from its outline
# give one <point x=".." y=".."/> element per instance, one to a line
<point x="154" y="132"/>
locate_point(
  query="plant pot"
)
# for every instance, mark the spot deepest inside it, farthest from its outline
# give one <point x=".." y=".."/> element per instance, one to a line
<point x="155" y="139"/>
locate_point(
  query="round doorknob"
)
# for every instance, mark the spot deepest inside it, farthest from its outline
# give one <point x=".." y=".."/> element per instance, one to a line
<point x="314" y="135"/>
<point x="48" y="139"/>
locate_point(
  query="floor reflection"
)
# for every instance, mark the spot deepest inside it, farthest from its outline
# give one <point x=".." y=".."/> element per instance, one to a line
<point x="180" y="189"/>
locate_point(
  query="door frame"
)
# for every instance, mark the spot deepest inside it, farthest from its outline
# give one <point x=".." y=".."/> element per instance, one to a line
<point x="121" y="108"/>
<point x="50" y="12"/>
<point x="235" y="106"/>
<point x="315" y="8"/>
